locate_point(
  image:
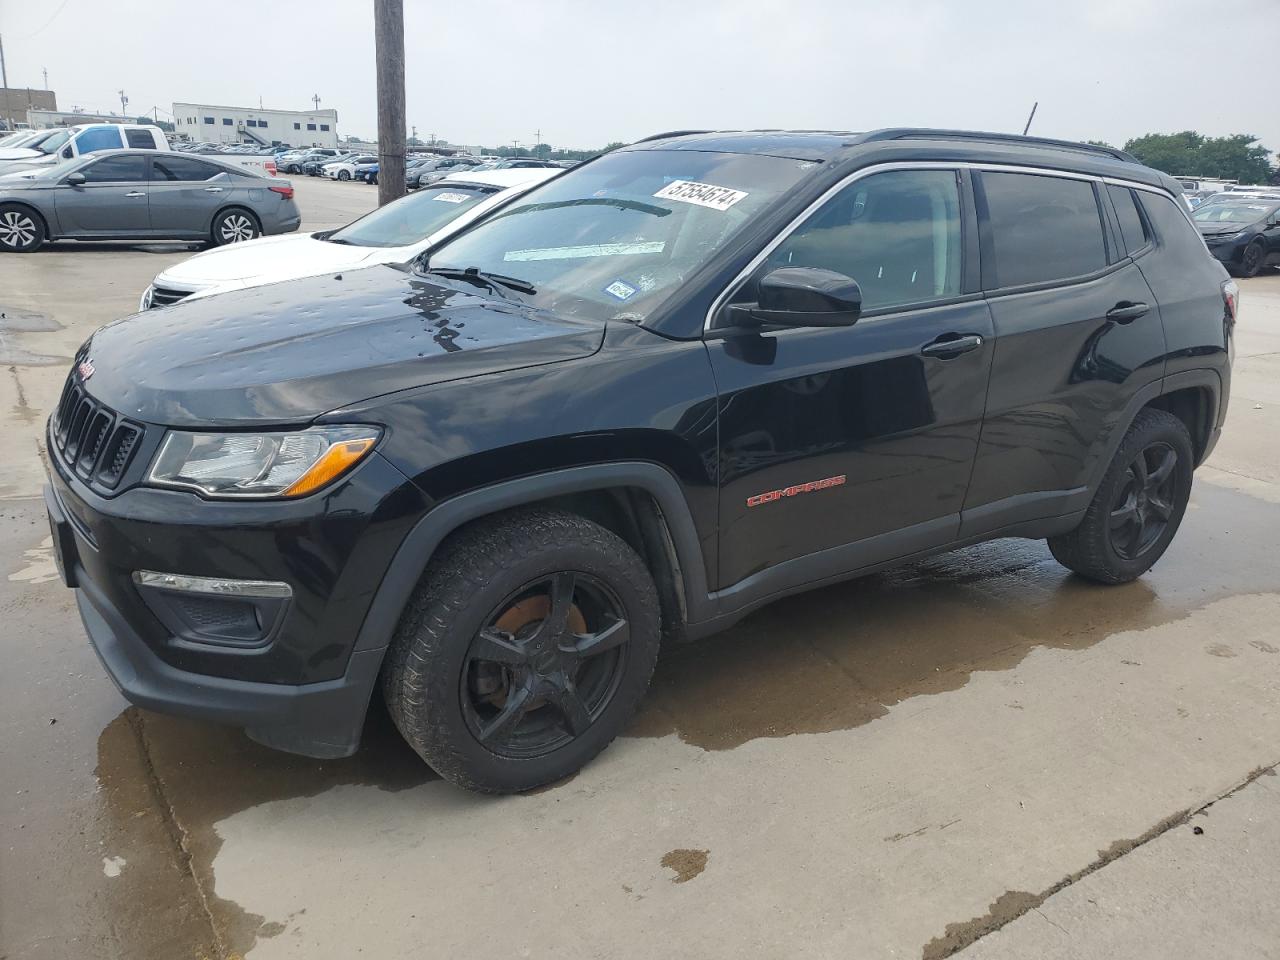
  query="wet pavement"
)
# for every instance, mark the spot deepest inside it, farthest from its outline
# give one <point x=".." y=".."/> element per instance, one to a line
<point x="891" y="767"/>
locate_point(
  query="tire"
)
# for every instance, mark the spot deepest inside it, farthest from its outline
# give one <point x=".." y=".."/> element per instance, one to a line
<point x="234" y="225"/>
<point x="1129" y="525"/>
<point x="343" y="175"/>
<point x="542" y="709"/>
<point x="21" y="229"/>
<point x="293" y="168"/>
<point x="1252" y="260"/>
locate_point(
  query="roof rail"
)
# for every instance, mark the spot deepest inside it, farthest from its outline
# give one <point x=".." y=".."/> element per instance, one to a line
<point x="670" y="133"/>
<point x="927" y="133"/>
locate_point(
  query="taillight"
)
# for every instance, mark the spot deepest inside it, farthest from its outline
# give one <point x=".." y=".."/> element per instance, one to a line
<point x="286" y="192"/>
<point x="271" y="167"/>
<point x="1231" y="298"/>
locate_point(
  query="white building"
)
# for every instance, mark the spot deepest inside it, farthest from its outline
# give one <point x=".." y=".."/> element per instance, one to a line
<point x="299" y="128"/>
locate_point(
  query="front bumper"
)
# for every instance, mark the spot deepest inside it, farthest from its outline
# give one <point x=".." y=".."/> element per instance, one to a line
<point x="1228" y="252"/>
<point x="303" y="686"/>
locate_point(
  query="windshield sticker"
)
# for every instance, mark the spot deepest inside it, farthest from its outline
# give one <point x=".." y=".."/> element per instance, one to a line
<point x="621" y="290"/>
<point x="592" y="250"/>
<point x="703" y="194"/>
<point x="452" y="197"/>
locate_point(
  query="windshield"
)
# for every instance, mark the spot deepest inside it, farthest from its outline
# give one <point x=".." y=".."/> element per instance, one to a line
<point x="1231" y="212"/>
<point x="615" y="237"/>
<point x="51" y="143"/>
<point x="413" y="218"/>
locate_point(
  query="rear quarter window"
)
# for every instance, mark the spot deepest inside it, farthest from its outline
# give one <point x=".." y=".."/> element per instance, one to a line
<point x="1133" y="231"/>
<point x="1042" y="228"/>
<point x="1172" y="228"/>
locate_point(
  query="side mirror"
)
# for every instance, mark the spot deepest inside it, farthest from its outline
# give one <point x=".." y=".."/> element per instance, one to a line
<point x="76" y="179"/>
<point x="66" y="153"/>
<point x="802" y="297"/>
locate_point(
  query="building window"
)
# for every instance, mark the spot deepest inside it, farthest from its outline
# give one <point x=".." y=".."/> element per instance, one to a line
<point x="297" y="126"/>
<point x="251" y="123"/>
<point x="226" y="121"/>
<point x="311" y="126"/>
<point x="261" y="124"/>
<point x="324" y="127"/>
<point x="208" y="119"/>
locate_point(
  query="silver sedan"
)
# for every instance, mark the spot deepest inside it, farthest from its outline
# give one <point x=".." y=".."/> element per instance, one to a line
<point x="141" y="195"/>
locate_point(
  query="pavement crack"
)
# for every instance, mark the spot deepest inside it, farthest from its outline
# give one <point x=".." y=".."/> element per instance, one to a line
<point x="1012" y="904"/>
<point x="1045" y="918"/>
<point x="172" y="825"/>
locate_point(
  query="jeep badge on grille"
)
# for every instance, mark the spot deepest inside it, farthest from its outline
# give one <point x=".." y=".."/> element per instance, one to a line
<point x="85" y="369"/>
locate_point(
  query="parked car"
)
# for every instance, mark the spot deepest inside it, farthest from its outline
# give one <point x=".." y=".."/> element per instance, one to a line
<point x="142" y="195"/>
<point x="436" y="169"/>
<point x="314" y="164"/>
<point x="344" y="169"/>
<point x="1243" y="233"/>
<point x="320" y="154"/>
<point x="64" y="143"/>
<point x="368" y="172"/>
<point x="659" y="391"/>
<point x="395" y="233"/>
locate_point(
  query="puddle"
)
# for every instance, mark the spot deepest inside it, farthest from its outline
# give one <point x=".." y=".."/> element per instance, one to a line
<point x="14" y="321"/>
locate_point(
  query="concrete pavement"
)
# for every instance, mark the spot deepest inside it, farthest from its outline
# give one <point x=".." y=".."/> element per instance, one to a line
<point x="958" y="755"/>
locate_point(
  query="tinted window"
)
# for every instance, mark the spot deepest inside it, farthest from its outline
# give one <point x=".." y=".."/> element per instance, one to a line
<point x="121" y="169"/>
<point x="208" y="119"/>
<point x="311" y="126"/>
<point x="98" y="138"/>
<point x="1043" y="228"/>
<point x="1172" y="228"/>
<point x="226" y="121"/>
<point x="897" y="234"/>
<point x="1132" y="230"/>
<point x="140" y="139"/>
<point x="183" y="168"/>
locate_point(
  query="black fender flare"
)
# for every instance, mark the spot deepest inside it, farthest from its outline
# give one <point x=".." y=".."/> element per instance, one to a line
<point x="1200" y="377"/>
<point x="420" y="543"/>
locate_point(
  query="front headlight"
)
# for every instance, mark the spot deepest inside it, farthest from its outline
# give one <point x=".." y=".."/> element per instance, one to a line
<point x="239" y="465"/>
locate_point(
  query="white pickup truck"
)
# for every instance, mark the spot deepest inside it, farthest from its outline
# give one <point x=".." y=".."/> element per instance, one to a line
<point x="64" y="143"/>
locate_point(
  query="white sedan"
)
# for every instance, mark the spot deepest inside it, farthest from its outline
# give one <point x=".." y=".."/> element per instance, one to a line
<point x="345" y="168"/>
<point x="395" y="233"/>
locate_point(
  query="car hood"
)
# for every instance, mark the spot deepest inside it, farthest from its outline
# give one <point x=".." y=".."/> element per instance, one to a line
<point x="19" y="153"/>
<point x="289" y="352"/>
<point x="276" y="258"/>
<point x="1221" y="229"/>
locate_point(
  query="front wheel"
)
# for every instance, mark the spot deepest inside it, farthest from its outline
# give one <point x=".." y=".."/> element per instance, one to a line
<point x="524" y="652"/>
<point x="1253" y="259"/>
<point x="343" y="175"/>
<point x="1138" y="506"/>
<point x="21" y="231"/>
<point x="235" y="226"/>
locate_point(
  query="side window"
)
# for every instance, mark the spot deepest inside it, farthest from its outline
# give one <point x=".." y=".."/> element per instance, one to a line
<point x="896" y="233"/>
<point x="98" y="138"/>
<point x="183" y="168"/>
<point x="1133" y="231"/>
<point x="119" y="169"/>
<point x="140" y="139"/>
<point x="1042" y="228"/>
<point x="1171" y="226"/>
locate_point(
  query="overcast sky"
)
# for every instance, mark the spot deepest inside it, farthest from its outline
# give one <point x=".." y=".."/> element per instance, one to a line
<point x="586" y="73"/>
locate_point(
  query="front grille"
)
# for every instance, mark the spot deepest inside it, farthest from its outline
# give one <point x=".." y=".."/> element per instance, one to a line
<point x="92" y="439"/>
<point x="164" y="296"/>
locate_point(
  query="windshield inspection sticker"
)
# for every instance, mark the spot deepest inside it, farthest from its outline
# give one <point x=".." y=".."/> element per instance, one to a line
<point x="452" y="197"/>
<point x="703" y="194"/>
<point x="621" y="290"/>
<point x="592" y="250"/>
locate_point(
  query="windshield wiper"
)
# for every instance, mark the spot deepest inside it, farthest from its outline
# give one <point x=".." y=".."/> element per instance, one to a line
<point x="483" y="278"/>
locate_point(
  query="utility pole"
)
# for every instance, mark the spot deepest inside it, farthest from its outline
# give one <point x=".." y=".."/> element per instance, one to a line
<point x="316" y="100"/>
<point x="45" y="71"/>
<point x="388" y="45"/>
<point x="124" y="103"/>
<point x="537" y="143"/>
<point x="4" y="84"/>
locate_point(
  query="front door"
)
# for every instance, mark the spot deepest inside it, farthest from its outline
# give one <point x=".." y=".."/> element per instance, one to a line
<point x="857" y="440"/>
<point x="112" y="202"/>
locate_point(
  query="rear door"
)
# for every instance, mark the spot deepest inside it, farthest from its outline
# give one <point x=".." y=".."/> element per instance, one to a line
<point x="112" y="202"/>
<point x="857" y="440"/>
<point x="185" y="194"/>
<point x="1078" y="333"/>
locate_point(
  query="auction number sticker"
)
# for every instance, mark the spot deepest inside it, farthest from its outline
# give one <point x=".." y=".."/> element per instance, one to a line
<point x="452" y="197"/>
<point x="703" y="194"/>
<point x="620" y="289"/>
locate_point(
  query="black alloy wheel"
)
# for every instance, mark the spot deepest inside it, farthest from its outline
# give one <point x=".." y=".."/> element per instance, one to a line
<point x="545" y="665"/>
<point x="1144" y="502"/>
<point x="1252" y="260"/>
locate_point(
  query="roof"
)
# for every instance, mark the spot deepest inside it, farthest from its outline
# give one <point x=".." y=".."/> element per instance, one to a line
<point x="913" y="143"/>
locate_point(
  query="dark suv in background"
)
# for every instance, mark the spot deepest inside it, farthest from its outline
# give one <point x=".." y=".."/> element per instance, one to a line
<point x="674" y="384"/>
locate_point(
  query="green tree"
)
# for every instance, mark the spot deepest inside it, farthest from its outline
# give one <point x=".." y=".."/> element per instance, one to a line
<point x="1237" y="157"/>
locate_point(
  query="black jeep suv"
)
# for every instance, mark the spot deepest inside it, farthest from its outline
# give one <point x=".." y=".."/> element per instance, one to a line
<point x="667" y="387"/>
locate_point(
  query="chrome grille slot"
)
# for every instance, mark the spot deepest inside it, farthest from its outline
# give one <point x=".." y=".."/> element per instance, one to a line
<point x="164" y="296"/>
<point x="91" y="438"/>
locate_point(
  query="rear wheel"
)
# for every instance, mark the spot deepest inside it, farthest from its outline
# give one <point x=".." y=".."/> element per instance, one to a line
<point x="529" y="643"/>
<point x="1253" y="259"/>
<point x="343" y="175"/>
<point x="235" y="225"/>
<point x="1138" y="506"/>
<point x="21" y="231"/>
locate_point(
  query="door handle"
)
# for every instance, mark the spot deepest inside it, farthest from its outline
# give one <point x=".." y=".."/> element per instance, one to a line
<point x="135" y="193"/>
<point x="950" y="345"/>
<point x="1127" y="311"/>
<point x="212" y="189"/>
